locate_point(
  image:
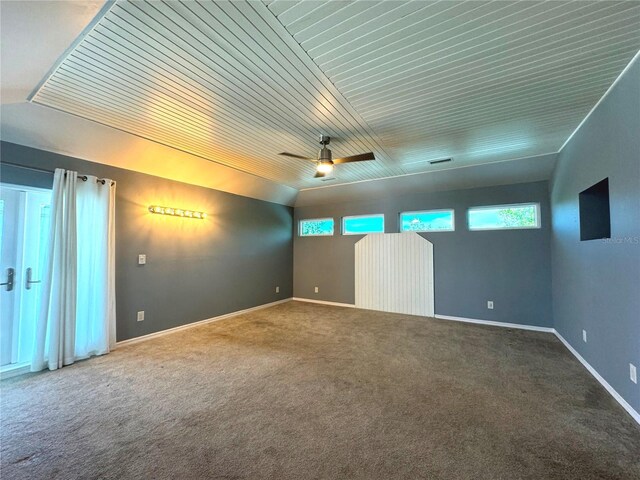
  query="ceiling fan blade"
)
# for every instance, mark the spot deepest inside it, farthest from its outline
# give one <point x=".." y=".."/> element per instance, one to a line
<point x="319" y="175"/>
<point x="355" y="158"/>
<point x="293" y="155"/>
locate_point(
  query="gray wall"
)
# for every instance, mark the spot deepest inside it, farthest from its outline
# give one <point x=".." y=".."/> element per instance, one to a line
<point x="510" y="267"/>
<point x="195" y="269"/>
<point x="596" y="283"/>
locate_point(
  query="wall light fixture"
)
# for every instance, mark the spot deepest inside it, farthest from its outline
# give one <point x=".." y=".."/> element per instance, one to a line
<point x="177" y="212"/>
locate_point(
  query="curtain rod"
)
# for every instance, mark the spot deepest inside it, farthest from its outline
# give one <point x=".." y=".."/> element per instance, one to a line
<point x="84" y="178"/>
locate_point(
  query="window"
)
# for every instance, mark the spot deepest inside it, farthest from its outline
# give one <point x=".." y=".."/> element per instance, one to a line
<point x="316" y="227"/>
<point x="501" y="217"/>
<point x="363" y="224"/>
<point x="427" y="221"/>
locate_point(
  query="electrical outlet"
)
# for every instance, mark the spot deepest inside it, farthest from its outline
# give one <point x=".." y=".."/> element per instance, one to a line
<point x="584" y="336"/>
<point x="142" y="259"/>
<point x="490" y="304"/>
<point x="141" y="315"/>
<point x="633" y="373"/>
<point x="315" y="289"/>
<point x="277" y="289"/>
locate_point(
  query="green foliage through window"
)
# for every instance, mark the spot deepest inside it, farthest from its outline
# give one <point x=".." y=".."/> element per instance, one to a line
<point x="518" y="217"/>
<point x="504" y="216"/>
<point x="316" y="226"/>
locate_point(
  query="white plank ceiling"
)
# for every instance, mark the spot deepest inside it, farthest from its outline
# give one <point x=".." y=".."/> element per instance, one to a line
<point x="413" y="81"/>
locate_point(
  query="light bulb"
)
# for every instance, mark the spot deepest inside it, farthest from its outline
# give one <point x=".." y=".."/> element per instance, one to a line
<point x="178" y="212"/>
<point x="325" y="167"/>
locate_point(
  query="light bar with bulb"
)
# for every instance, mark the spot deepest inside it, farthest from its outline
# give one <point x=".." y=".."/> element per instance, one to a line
<point x="177" y="212"/>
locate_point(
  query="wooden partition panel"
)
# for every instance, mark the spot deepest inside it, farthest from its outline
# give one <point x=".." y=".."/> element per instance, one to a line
<point x="394" y="273"/>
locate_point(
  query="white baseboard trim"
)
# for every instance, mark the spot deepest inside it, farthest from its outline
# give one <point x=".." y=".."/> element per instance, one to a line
<point x="496" y="324"/>
<point x="323" y="302"/>
<point x="168" y="331"/>
<point x="14" y="370"/>
<point x="630" y="410"/>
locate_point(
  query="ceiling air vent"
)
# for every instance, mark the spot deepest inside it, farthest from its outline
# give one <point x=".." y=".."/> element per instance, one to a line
<point x="327" y="179"/>
<point x="444" y="160"/>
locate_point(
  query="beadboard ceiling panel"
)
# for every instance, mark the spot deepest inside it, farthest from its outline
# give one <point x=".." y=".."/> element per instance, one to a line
<point x="413" y="81"/>
<point x="478" y="81"/>
<point x="212" y="79"/>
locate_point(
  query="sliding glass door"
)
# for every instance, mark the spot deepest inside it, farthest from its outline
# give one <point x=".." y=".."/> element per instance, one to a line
<point x="24" y="221"/>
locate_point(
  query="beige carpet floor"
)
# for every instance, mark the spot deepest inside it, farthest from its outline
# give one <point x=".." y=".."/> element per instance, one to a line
<point x="303" y="391"/>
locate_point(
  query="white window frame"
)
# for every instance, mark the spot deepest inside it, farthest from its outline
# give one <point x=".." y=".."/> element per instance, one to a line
<point x="453" y="220"/>
<point x="333" y="232"/>
<point x="507" y="205"/>
<point x="342" y="229"/>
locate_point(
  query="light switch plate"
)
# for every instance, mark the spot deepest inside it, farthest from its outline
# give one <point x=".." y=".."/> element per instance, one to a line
<point x="142" y="259"/>
<point x="633" y="373"/>
<point x="140" y="316"/>
<point x="490" y="304"/>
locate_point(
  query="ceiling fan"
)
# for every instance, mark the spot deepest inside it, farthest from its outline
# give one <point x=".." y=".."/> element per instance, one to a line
<point x="324" y="162"/>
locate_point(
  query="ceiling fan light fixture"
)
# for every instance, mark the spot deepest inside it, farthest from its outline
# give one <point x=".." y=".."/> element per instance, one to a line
<point x="325" y="162"/>
<point x="324" y="167"/>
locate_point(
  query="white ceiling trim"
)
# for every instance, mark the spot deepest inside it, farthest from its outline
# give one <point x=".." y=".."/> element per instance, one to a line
<point x="90" y="26"/>
<point x="635" y="58"/>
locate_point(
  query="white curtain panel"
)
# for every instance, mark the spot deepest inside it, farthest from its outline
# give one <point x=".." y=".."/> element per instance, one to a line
<point x="55" y="328"/>
<point x="95" y="312"/>
<point x="77" y="313"/>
